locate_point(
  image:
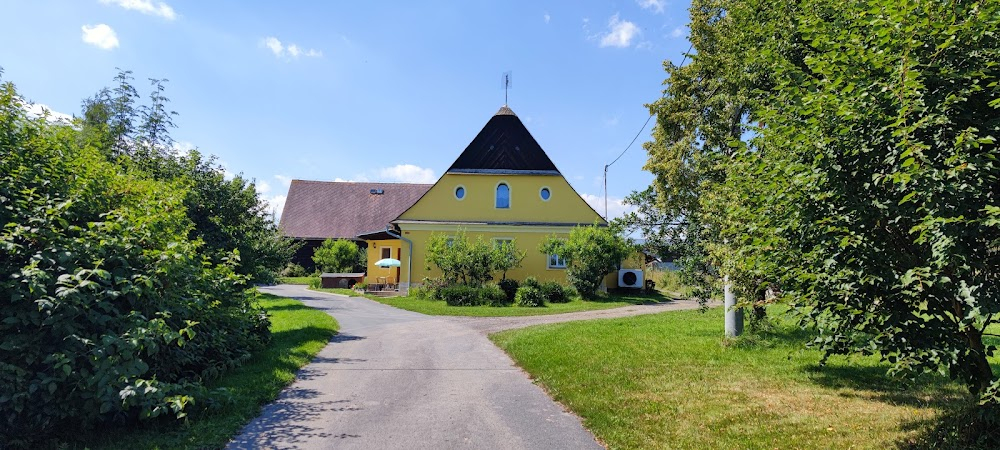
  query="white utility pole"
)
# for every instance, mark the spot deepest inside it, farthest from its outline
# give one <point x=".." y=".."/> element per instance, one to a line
<point x="734" y="317"/>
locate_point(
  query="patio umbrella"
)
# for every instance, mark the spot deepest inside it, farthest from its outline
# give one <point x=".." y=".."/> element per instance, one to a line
<point x="387" y="262"/>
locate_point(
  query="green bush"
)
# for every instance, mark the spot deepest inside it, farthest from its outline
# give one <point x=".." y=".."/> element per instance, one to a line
<point x="533" y="282"/>
<point x="493" y="295"/>
<point x="109" y="311"/>
<point x="459" y="295"/>
<point x="337" y="256"/>
<point x="471" y="262"/>
<point x="293" y="270"/>
<point x="509" y="287"/>
<point x="591" y="253"/>
<point x="528" y="295"/>
<point x="554" y="292"/>
<point x="430" y="288"/>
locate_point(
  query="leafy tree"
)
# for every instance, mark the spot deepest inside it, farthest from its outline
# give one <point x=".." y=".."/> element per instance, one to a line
<point x="109" y="313"/>
<point x="591" y="252"/>
<point x="865" y="175"/>
<point x="228" y="213"/>
<point x="708" y="108"/>
<point x="471" y="262"/>
<point x="506" y="256"/>
<point x="886" y="128"/>
<point x="336" y="255"/>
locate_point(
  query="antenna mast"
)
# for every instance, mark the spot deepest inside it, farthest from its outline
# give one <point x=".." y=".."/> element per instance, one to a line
<point x="508" y="82"/>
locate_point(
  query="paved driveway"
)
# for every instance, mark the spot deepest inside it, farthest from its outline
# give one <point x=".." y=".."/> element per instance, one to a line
<point x="397" y="379"/>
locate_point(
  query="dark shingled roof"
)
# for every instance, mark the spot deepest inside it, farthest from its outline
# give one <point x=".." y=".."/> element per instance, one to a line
<point x="504" y="146"/>
<point x="329" y="209"/>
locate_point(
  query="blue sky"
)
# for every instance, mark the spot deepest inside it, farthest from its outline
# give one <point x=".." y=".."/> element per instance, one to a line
<point x="376" y="91"/>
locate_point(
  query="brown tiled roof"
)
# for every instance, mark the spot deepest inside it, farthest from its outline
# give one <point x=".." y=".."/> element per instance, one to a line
<point x="332" y="209"/>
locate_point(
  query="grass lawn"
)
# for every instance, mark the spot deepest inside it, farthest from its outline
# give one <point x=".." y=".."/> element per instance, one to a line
<point x="298" y="333"/>
<point x="668" y="381"/>
<point x="440" y="308"/>
<point x="296" y="280"/>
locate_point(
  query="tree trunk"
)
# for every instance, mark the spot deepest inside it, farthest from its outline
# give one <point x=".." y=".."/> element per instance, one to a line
<point x="981" y="373"/>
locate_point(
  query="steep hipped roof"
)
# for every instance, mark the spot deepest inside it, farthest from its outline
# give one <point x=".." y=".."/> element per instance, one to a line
<point x="504" y="146"/>
<point x="329" y="209"/>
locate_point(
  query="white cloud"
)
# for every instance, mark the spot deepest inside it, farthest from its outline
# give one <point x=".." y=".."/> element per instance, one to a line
<point x="262" y="187"/>
<point x="616" y="206"/>
<point x="100" y="35"/>
<point x="285" y="181"/>
<point x="291" y="50"/>
<point x="39" y="110"/>
<point x="146" y="7"/>
<point x="547" y="17"/>
<point x="275" y="204"/>
<point x="655" y="5"/>
<point x="678" y="32"/>
<point x="620" y="33"/>
<point x="406" y="173"/>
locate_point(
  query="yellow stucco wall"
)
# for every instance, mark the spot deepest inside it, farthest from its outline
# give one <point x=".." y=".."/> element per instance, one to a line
<point x="526" y="239"/>
<point x="526" y="204"/>
<point x="478" y="216"/>
<point x="375" y="248"/>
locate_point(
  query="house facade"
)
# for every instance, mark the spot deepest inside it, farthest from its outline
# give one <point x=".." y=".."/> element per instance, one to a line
<point x="502" y="187"/>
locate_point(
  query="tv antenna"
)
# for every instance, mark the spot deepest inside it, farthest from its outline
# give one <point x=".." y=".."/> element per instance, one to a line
<point x="508" y="82"/>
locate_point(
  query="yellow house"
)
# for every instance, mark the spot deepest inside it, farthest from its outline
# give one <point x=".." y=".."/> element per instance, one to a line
<point x="503" y="187"/>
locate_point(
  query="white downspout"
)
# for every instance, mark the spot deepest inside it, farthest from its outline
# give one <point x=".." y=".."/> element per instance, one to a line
<point x="409" y="259"/>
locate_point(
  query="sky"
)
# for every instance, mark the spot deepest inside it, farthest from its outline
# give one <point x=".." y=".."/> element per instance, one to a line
<point x="364" y="91"/>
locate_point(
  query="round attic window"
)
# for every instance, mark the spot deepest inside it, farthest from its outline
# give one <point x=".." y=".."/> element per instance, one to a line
<point x="545" y="193"/>
<point x="460" y="192"/>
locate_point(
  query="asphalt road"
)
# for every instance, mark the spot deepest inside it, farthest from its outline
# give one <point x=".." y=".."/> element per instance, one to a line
<point x="394" y="379"/>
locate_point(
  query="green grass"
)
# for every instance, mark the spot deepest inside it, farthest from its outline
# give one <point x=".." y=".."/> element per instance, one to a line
<point x="670" y="381"/>
<point x="440" y="308"/>
<point x="298" y="333"/>
<point x="297" y="280"/>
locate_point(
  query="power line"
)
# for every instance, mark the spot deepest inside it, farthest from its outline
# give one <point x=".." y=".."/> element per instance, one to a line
<point x="690" y="47"/>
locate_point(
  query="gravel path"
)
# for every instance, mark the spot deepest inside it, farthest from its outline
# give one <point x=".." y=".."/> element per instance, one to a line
<point x="489" y="325"/>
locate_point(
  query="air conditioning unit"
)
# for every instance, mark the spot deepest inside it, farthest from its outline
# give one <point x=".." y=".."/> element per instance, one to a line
<point x="630" y="278"/>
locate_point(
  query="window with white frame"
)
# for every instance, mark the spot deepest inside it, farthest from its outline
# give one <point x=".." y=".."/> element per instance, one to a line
<point x="556" y="262"/>
<point x="386" y="252"/>
<point x="500" y="242"/>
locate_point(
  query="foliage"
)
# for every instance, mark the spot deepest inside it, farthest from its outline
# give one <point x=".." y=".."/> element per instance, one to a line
<point x="299" y="332"/>
<point x="293" y="270"/>
<point x="867" y="189"/>
<point x="492" y="295"/>
<point x="227" y="214"/>
<point x="110" y="312"/>
<point x="530" y="296"/>
<point x="336" y="256"/>
<point x="460" y="295"/>
<point x="471" y="262"/>
<point x="554" y="292"/>
<point x="887" y="132"/>
<point x="509" y="287"/>
<point x="506" y="256"/>
<point x="708" y="107"/>
<point x="591" y="252"/>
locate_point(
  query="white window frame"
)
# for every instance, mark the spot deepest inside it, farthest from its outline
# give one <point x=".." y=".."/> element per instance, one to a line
<point x="455" y="192"/>
<point x="386" y="249"/>
<point x="548" y="261"/>
<point x="498" y="240"/>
